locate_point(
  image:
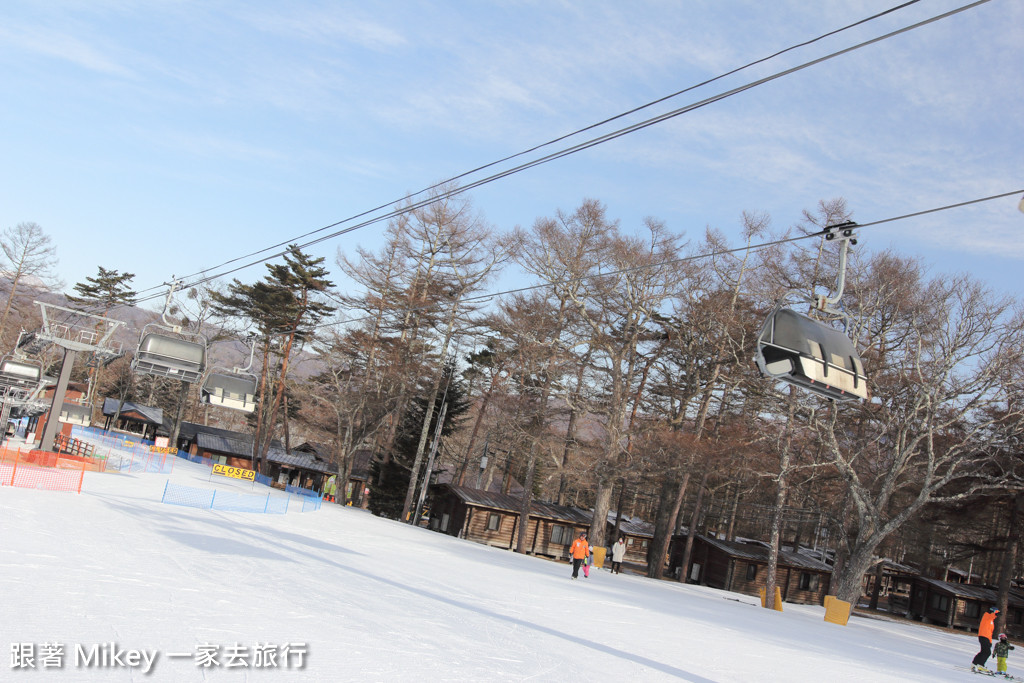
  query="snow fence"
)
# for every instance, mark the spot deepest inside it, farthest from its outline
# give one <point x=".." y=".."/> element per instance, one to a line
<point x="232" y="501"/>
<point x="42" y="470"/>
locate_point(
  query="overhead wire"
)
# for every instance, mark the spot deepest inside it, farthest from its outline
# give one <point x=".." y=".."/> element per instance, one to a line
<point x="578" y="147"/>
<point x="707" y="255"/>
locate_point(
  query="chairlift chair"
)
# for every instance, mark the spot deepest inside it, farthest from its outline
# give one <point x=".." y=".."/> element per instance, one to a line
<point x="15" y="372"/>
<point x="235" y="391"/>
<point x="164" y="355"/>
<point x="808" y="353"/>
<point x="797" y="349"/>
<point x="76" y="414"/>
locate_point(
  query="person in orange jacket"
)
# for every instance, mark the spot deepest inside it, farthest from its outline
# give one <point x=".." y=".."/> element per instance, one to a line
<point x="578" y="551"/>
<point x="985" y="628"/>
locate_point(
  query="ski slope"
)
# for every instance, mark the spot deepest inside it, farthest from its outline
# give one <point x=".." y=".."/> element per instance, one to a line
<point x="130" y="589"/>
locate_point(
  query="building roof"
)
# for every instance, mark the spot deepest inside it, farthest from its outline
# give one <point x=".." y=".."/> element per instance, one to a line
<point x="970" y="591"/>
<point x="301" y="460"/>
<point x="631" y="526"/>
<point x="510" y="503"/>
<point x="760" y="553"/>
<point x="147" y="414"/>
<point x="224" y="444"/>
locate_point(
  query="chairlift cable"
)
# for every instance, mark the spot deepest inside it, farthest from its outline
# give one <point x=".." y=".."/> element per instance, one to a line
<point x="579" y="147"/>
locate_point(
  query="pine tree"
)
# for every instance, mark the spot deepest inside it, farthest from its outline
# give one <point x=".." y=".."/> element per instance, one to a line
<point x="105" y="291"/>
<point x="285" y="310"/>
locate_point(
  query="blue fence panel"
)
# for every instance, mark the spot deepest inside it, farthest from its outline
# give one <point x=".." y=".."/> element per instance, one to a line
<point x="175" y="494"/>
<point x="240" y="502"/>
<point x="264" y="479"/>
<point x="277" y="506"/>
<point x="302" y="492"/>
<point x="230" y="501"/>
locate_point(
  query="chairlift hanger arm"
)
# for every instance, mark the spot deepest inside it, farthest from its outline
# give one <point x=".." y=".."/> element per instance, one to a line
<point x="844" y="232"/>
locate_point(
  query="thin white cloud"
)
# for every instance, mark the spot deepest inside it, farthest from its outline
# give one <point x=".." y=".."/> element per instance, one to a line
<point x="62" y="46"/>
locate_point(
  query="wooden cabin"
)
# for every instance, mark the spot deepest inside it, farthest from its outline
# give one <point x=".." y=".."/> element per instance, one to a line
<point x="134" y="418"/>
<point x="234" y="451"/>
<point x="960" y="605"/>
<point x="492" y="518"/>
<point x="638" y="534"/>
<point x="357" y="492"/>
<point x="888" y="586"/>
<point x="743" y="568"/>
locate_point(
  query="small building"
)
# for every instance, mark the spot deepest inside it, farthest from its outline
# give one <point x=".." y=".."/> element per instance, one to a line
<point x="234" y="451"/>
<point x="743" y="568"/>
<point x="889" y="584"/>
<point x="638" y="534"/>
<point x="134" y="418"/>
<point x="306" y="469"/>
<point x="357" y="491"/>
<point x="493" y="519"/>
<point x="960" y="605"/>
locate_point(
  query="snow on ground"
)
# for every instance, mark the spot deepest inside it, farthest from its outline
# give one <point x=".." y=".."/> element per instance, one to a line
<point x="359" y="598"/>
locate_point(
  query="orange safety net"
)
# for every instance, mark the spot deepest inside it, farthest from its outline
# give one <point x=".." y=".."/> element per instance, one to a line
<point x="47" y="459"/>
<point x="33" y="477"/>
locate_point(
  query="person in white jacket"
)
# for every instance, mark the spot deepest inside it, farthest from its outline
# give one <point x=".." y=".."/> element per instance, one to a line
<point x="618" y="553"/>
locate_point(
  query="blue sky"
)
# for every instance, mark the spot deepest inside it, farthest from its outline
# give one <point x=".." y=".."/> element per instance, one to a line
<point x="165" y="137"/>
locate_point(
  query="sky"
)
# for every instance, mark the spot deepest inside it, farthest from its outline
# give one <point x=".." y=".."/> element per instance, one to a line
<point x="368" y="599"/>
<point x="169" y="137"/>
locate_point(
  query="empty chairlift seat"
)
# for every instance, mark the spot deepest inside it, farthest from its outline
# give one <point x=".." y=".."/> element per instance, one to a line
<point x="172" y="357"/>
<point x="15" y="373"/>
<point x="76" y="414"/>
<point x="230" y="391"/>
<point x="796" y="349"/>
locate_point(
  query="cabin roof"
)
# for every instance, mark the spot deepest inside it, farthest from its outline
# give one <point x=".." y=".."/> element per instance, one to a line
<point x="147" y="414"/>
<point x="510" y="503"/>
<point x="302" y="460"/>
<point x="968" y="591"/>
<point x="224" y="444"/>
<point x="759" y="553"/>
<point x="631" y="526"/>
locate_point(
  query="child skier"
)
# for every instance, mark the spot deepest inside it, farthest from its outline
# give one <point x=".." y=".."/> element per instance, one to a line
<point x="1002" y="650"/>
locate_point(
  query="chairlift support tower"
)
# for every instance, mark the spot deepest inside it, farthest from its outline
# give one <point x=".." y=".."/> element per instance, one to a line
<point x="76" y="331"/>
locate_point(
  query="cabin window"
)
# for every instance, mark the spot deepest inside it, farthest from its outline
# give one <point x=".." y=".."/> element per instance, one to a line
<point x="972" y="610"/>
<point x="643" y="543"/>
<point x="751" y="572"/>
<point x="808" y="581"/>
<point x="940" y="602"/>
<point x="493" y="522"/>
<point x="560" y="534"/>
<point x="629" y="541"/>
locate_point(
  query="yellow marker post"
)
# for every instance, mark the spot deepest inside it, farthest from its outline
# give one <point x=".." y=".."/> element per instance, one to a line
<point x="837" y="611"/>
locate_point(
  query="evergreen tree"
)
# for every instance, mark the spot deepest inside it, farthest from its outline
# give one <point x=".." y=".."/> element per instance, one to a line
<point x="408" y="435"/>
<point x="105" y="291"/>
<point x="285" y="310"/>
<point x="388" y="482"/>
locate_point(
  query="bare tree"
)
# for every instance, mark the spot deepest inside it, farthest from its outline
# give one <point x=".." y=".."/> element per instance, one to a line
<point x="28" y="254"/>
<point x="938" y="353"/>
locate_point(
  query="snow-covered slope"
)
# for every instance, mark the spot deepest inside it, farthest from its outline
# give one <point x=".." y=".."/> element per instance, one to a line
<point x="357" y="598"/>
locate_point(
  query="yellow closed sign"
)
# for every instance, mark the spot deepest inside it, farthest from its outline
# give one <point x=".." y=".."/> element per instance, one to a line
<point x="235" y="472"/>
